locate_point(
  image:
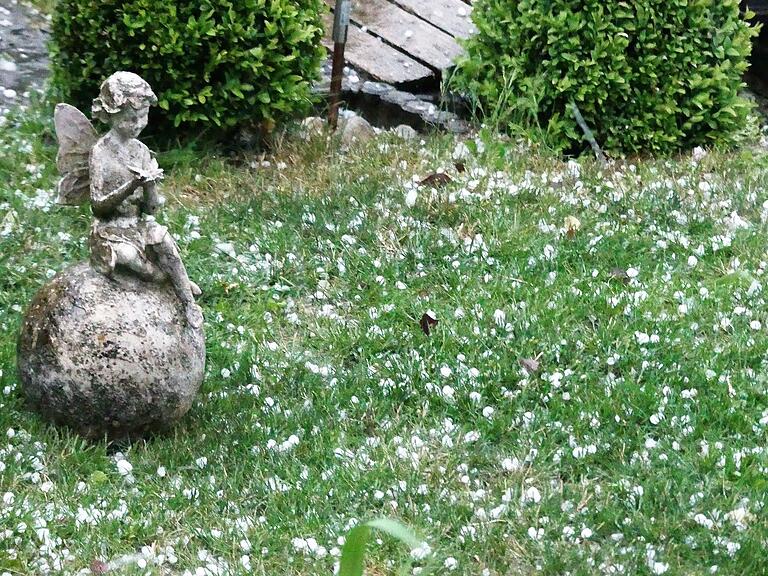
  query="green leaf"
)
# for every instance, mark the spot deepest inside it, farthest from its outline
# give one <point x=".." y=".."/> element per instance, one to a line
<point x="629" y="61"/>
<point x="98" y="477"/>
<point x="353" y="553"/>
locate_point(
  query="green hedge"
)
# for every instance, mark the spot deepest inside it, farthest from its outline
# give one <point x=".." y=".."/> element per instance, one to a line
<point x="211" y="62"/>
<point x="647" y="75"/>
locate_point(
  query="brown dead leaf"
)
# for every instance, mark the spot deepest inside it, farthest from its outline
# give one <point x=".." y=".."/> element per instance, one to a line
<point x="466" y="230"/>
<point x="370" y="423"/>
<point x="619" y="274"/>
<point x="531" y="365"/>
<point x="99" y="567"/>
<point x="436" y="180"/>
<point x="572" y="225"/>
<point x="427" y="322"/>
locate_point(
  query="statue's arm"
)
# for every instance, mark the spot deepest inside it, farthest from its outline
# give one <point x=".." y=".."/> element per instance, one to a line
<point x="152" y="199"/>
<point x="105" y="202"/>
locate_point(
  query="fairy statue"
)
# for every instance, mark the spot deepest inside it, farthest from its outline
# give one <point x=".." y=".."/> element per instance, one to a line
<point x="119" y="176"/>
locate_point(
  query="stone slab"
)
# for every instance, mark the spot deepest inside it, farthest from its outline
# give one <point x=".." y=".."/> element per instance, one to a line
<point x="378" y="59"/>
<point x="451" y="16"/>
<point x="405" y="31"/>
<point x="23" y="52"/>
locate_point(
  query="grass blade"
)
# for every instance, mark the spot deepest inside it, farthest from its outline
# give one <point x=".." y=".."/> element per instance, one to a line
<point x="353" y="553"/>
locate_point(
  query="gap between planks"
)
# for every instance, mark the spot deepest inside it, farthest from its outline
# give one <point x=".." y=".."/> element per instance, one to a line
<point x="405" y="31"/>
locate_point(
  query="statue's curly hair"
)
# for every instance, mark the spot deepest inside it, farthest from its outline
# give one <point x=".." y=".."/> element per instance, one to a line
<point x="122" y="89"/>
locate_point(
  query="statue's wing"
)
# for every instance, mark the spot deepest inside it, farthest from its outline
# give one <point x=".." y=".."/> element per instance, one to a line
<point x="76" y="137"/>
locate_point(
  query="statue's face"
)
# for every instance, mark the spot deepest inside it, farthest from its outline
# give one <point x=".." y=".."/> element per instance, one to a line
<point x="130" y="122"/>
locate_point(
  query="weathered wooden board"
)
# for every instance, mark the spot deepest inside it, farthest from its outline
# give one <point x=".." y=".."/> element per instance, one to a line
<point x="452" y="16"/>
<point x="405" y="31"/>
<point x="375" y="57"/>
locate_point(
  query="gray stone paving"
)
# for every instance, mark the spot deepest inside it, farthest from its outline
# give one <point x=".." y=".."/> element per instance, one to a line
<point x="386" y="106"/>
<point x="24" y="34"/>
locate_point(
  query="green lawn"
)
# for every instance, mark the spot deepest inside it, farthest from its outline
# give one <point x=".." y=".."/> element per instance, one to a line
<point x="638" y="446"/>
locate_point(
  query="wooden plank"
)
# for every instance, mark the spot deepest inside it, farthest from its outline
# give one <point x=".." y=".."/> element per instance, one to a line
<point x="405" y="31"/>
<point x="452" y="16"/>
<point x="375" y="57"/>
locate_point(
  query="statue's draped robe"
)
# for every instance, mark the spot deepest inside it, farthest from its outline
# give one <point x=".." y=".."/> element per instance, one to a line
<point x="109" y="170"/>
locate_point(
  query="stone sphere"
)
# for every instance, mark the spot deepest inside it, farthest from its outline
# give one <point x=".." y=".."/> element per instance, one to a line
<point x="109" y="356"/>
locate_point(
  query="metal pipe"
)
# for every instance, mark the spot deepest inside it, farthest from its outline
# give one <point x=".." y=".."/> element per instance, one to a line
<point x="340" y="28"/>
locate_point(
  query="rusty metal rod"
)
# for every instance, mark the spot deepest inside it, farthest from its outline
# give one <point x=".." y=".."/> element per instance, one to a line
<point x="341" y="15"/>
<point x="588" y="135"/>
<point x="337" y="72"/>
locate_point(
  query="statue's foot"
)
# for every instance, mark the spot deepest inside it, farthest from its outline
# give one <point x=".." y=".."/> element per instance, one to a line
<point x="194" y="314"/>
<point x="158" y="276"/>
<point x="195" y="288"/>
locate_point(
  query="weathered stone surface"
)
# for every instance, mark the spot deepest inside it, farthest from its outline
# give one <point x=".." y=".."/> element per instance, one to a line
<point x="355" y="130"/>
<point x="405" y="132"/>
<point x="109" y="356"/>
<point x="405" y="31"/>
<point x="312" y="126"/>
<point x="385" y="106"/>
<point x="379" y="59"/>
<point x="23" y="52"/>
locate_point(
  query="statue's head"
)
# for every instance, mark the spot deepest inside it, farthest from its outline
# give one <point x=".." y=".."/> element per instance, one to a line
<point x="123" y="103"/>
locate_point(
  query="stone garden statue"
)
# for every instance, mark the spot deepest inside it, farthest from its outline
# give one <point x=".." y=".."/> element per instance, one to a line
<point x="124" y="197"/>
<point x="114" y="346"/>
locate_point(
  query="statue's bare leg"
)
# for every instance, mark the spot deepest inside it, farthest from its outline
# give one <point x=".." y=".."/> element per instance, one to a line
<point x="169" y="261"/>
<point x="128" y="256"/>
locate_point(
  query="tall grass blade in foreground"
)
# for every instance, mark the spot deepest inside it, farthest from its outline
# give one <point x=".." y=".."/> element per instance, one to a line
<point x="353" y="553"/>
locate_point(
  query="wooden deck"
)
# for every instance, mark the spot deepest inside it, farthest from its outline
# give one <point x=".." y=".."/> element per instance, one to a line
<point x="404" y="41"/>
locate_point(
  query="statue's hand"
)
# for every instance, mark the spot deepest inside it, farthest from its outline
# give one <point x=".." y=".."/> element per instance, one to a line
<point x="152" y="174"/>
<point x="137" y="181"/>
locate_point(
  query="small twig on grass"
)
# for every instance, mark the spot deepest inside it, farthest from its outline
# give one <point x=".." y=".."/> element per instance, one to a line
<point x="588" y="134"/>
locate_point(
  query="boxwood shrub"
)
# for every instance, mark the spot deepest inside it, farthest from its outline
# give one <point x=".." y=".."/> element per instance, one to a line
<point x="647" y="75"/>
<point x="211" y="62"/>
